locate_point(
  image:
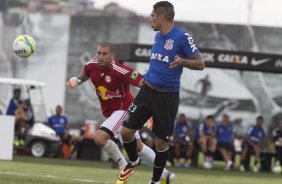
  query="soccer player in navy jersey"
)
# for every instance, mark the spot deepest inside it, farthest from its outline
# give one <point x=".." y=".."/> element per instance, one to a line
<point x="254" y="134"/>
<point x="173" y="49"/>
<point x="182" y="140"/>
<point x="205" y="138"/>
<point x="224" y="136"/>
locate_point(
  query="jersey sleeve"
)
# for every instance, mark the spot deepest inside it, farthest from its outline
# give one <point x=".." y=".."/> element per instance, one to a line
<point x="66" y="120"/>
<point x="132" y="77"/>
<point x="50" y="121"/>
<point x="263" y="132"/>
<point x="250" y="130"/>
<point x="87" y="66"/>
<point x="201" y="128"/>
<point x="188" y="45"/>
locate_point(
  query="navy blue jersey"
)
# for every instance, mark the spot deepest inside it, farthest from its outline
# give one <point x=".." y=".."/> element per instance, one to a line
<point x="208" y="131"/>
<point x="255" y="133"/>
<point x="165" y="48"/>
<point x="58" y="123"/>
<point x="182" y="130"/>
<point x="224" y="134"/>
<point x="13" y="106"/>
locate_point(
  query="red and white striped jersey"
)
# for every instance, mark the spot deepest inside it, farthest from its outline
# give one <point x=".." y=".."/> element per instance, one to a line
<point x="112" y="85"/>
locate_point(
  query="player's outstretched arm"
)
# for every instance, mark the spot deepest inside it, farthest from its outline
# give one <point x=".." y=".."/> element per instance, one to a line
<point x="195" y="62"/>
<point x="76" y="81"/>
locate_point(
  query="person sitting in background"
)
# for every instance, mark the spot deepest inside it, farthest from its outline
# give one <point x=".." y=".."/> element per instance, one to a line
<point x="250" y="143"/>
<point x="182" y="139"/>
<point x="21" y="126"/>
<point x="277" y="140"/>
<point x="29" y="113"/>
<point x="14" y="102"/>
<point x="59" y="122"/>
<point x="224" y="135"/>
<point x="205" y="137"/>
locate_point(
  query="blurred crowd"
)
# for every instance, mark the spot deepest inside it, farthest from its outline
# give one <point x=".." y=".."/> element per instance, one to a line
<point x="217" y="141"/>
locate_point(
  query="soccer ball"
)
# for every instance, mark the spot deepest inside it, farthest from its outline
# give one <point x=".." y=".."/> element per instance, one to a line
<point x="24" y="46"/>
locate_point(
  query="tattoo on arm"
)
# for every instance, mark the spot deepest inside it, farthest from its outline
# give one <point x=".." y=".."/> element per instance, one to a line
<point x="195" y="62"/>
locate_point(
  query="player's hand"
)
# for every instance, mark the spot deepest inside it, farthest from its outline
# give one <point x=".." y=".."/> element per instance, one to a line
<point x="73" y="82"/>
<point x="177" y="61"/>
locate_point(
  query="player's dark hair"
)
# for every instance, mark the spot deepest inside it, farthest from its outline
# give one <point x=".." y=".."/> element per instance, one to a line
<point x="210" y="117"/>
<point x="165" y="8"/>
<point x="182" y="114"/>
<point x="260" y="118"/>
<point x="107" y="44"/>
<point x="17" y="90"/>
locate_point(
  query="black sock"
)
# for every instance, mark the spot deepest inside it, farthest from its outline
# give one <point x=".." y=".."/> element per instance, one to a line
<point x="242" y="162"/>
<point x="130" y="148"/>
<point x="159" y="164"/>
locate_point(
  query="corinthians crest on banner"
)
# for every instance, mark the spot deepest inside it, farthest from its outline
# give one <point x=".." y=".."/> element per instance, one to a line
<point x="169" y="44"/>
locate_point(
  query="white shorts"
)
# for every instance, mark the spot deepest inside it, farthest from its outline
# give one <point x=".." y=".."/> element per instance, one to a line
<point x="114" y="124"/>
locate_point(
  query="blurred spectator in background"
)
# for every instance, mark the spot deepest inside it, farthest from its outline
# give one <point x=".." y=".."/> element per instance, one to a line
<point x="29" y="113"/>
<point x="59" y="122"/>
<point x="21" y="126"/>
<point x="182" y="138"/>
<point x="14" y="102"/>
<point x="277" y="139"/>
<point x="224" y="135"/>
<point x="17" y="108"/>
<point x="250" y="143"/>
<point x="205" y="137"/>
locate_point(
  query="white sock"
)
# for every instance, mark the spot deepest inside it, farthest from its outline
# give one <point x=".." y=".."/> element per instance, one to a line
<point x="149" y="155"/>
<point x="229" y="163"/>
<point x="114" y="153"/>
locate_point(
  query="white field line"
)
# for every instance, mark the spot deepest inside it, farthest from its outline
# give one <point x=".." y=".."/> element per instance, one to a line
<point x="55" y="177"/>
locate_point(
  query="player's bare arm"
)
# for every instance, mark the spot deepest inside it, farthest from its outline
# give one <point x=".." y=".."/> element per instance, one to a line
<point x="250" y="141"/>
<point x="195" y="62"/>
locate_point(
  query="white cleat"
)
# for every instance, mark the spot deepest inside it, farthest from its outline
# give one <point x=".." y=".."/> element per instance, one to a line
<point x="169" y="178"/>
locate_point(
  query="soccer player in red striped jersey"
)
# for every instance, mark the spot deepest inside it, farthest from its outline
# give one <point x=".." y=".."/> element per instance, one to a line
<point x="112" y="81"/>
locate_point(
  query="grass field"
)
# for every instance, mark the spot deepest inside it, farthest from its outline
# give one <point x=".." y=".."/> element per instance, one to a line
<point x="29" y="170"/>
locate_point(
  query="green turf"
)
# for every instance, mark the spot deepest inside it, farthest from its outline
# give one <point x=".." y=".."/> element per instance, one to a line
<point x="29" y="170"/>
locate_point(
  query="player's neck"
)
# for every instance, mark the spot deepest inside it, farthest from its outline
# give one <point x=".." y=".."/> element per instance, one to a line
<point x="166" y="28"/>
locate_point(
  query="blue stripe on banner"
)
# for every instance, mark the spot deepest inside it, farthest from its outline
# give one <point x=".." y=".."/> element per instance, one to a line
<point x="28" y="43"/>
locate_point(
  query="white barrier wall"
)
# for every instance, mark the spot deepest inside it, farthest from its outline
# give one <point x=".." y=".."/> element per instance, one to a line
<point x="7" y="124"/>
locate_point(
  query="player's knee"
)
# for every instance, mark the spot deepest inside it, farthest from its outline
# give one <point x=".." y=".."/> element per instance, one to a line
<point x="101" y="138"/>
<point x="161" y="144"/>
<point x="127" y="134"/>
